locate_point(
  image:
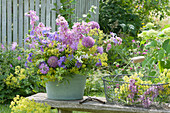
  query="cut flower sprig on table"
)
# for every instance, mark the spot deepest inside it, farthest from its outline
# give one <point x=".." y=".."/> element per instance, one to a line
<point x="64" y="52"/>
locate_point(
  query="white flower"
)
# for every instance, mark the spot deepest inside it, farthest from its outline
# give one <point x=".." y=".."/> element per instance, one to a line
<point x="131" y="27"/>
<point x="79" y="59"/>
<point x="150" y="25"/>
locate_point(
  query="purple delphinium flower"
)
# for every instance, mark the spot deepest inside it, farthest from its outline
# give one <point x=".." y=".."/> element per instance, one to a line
<point x="61" y="60"/>
<point x="32" y="32"/>
<point x="78" y="64"/>
<point x="14" y="45"/>
<point x="26" y="64"/>
<point x="30" y="57"/>
<point x="100" y="50"/>
<point x="53" y="61"/>
<point x="70" y="57"/>
<point x="88" y="41"/>
<point x="43" y="68"/>
<point x="41" y="48"/>
<point x="19" y="58"/>
<point x="99" y="63"/>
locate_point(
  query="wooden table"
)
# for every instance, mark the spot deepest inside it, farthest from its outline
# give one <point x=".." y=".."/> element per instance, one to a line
<point x="90" y="106"/>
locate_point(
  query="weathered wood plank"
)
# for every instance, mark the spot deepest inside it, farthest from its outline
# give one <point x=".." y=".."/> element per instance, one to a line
<point x="4" y="22"/>
<point x="37" y="3"/>
<point x="93" y="106"/>
<point x="9" y="22"/>
<point x="0" y="22"/>
<point x="43" y="11"/>
<point x="31" y="4"/>
<point x="63" y="111"/>
<point x="21" y="23"/>
<point x="53" y="17"/>
<point x="97" y="11"/>
<point x="25" y="19"/>
<point x="48" y="13"/>
<point x="15" y="21"/>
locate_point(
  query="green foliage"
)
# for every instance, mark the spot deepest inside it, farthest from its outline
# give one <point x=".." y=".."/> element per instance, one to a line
<point x="13" y="77"/>
<point x="66" y="10"/>
<point x="4" y="108"/>
<point x="117" y="15"/>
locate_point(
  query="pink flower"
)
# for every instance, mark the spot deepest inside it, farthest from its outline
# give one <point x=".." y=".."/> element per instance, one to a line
<point x="3" y="47"/>
<point x="146" y="50"/>
<point x="138" y="46"/>
<point x="139" y="52"/>
<point x="14" y="45"/>
<point x="131" y="68"/>
<point x="133" y="41"/>
<point x="100" y="50"/>
<point x="122" y="69"/>
<point x="108" y="47"/>
<point x="117" y="65"/>
<point x="144" y="53"/>
<point x="19" y="58"/>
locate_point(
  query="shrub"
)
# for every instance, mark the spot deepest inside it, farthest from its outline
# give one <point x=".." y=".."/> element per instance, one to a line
<point x="14" y="77"/>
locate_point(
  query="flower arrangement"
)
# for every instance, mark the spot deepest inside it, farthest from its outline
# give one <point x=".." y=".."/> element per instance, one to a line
<point x="64" y="52"/>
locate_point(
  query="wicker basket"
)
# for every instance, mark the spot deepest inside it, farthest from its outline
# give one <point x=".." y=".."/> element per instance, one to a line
<point x="117" y="91"/>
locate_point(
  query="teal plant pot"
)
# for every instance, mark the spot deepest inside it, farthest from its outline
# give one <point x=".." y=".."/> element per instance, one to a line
<point x="68" y="90"/>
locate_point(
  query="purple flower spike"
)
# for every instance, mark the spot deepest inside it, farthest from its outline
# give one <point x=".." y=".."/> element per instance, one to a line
<point x="53" y="61"/>
<point x="62" y="59"/>
<point x="88" y="42"/>
<point x="44" y="68"/>
<point x="30" y="57"/>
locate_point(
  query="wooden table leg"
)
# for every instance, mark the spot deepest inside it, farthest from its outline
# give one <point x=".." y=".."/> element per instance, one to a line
<point x="63" y="111"/>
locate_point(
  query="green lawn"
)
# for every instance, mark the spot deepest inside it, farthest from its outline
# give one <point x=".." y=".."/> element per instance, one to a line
<point x="4" y="108"/>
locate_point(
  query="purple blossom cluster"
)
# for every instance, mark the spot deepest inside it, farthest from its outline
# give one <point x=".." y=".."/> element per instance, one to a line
<point x="42" y="40"/>
<point x="53" y="61"/>
<point x="113" y="40"/>
<point x="148" y="96"/>
<point x="133" y="90"/>
<point x="146" y="99"/>
<point x="33" y="16"/>
<point x="88" y="42"/>
<point x="44" y="68"/>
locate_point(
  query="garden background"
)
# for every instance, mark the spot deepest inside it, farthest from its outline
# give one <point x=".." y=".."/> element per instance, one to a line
<point x="128" y="19"/>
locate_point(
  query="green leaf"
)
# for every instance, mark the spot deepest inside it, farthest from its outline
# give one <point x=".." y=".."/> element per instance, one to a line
<point x="152" y="73"/>
<point x="160" y="54"/>
<point x="161" y="65"/>
<point x="166" y="46"/>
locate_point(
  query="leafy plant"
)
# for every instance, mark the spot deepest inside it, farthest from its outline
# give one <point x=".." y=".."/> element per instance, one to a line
<point x="13" y="77"/>
<point x="66" y="10"/>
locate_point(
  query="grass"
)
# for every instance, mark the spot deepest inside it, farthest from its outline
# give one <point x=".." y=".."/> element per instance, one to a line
<point x="4" y="108"/>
